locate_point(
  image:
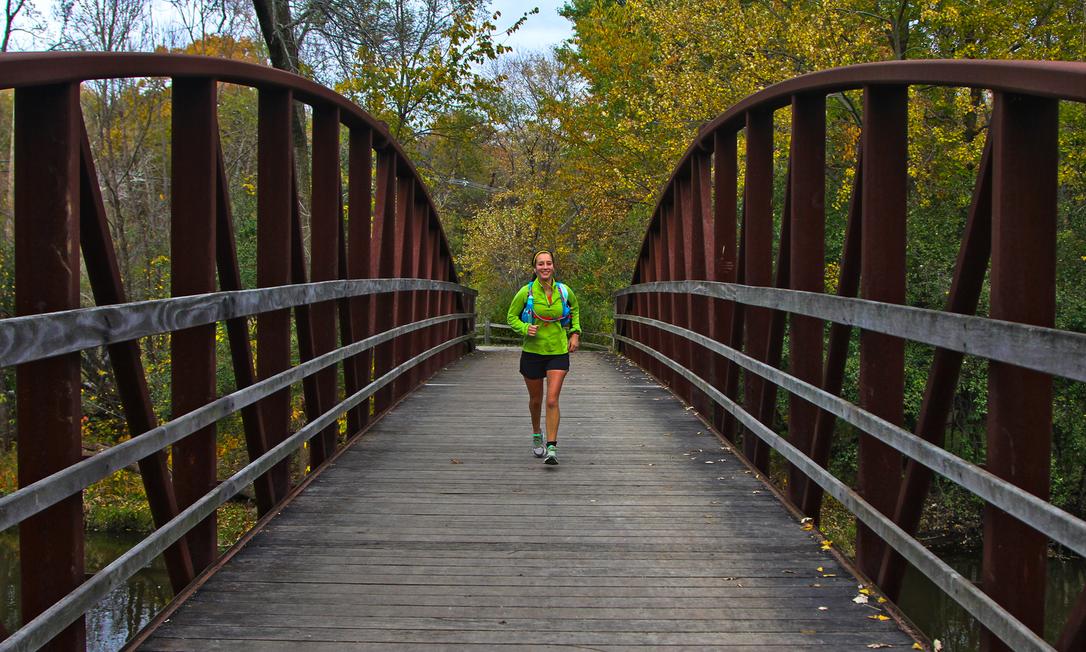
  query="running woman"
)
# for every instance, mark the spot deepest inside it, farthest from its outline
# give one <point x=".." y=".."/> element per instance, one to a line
<point x="551" y="326"/>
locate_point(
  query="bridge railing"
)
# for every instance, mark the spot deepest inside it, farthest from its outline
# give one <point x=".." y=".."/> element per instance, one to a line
<point x="707" y="315"/>
<point x="379" y="267"/>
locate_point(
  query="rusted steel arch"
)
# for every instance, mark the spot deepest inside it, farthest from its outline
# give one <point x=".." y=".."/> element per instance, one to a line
<point x="1065" y="80"/>
<point x="1010" y="229"/>
<point x="22" y="69"/>
<point x="58" y="208"/>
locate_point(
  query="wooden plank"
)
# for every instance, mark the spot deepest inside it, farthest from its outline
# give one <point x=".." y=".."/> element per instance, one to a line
<point x="440" y="529"/>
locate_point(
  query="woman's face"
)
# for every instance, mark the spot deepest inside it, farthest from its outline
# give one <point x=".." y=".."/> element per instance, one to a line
<point x="544" y="267"/>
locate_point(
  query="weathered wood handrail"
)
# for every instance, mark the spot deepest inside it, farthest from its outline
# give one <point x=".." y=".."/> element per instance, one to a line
<point x="707" y="314"/>
<point x="378" y="256"/>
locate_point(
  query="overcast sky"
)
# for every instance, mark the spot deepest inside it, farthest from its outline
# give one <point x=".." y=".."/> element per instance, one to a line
<point x="541" y="31"/>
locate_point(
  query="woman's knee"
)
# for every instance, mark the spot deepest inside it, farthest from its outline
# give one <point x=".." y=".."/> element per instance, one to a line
<point x="552" y="402"/>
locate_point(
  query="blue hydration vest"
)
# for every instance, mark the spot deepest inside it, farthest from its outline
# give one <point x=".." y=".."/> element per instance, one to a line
<point x="528" y="314"/>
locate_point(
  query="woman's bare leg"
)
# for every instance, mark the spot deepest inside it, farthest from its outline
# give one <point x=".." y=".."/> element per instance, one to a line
<point x="555" y="378"/>
<point x="535" y="400"/>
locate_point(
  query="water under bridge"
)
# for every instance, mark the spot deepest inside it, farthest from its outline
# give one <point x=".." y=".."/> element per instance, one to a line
<point x="426" y="523"/>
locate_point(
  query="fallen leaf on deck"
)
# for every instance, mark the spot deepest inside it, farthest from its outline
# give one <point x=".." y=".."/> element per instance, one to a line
<point x="860" y="599"/>
<point x="917" y="646"/>
<point x="819" y="569"/>
<point x="807" y="527"/>
<point x="878" y="646"/>
<point x="879" y="617"/>
<point x="455" y="460"/>
<point x="823" y="608"/>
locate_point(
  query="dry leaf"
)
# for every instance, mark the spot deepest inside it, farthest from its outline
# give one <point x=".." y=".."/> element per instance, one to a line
<point x="807" y="527"/>
<point x="878" y="646"/>
<point x="819" y="569"/>
<point x="879" y="617"/>
<point x="860" y="599"/>
<point x="456" y="460"/>
<point x="865" y="591"/>
<point x="829" y="574"/>
<point x="881" y="600"/>
<point x="937" y="645"/>
<point x="917" y="646"/>
<point x="823" y="608"/>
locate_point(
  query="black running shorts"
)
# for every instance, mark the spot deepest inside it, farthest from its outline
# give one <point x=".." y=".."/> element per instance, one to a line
<point x="534" y="366"/>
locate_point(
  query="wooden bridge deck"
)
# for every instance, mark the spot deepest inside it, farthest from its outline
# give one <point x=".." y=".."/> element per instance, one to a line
<point x="439" y="529"/>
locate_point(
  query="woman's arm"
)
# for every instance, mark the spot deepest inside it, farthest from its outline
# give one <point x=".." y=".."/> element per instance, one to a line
<point x="574" y="321"/>
<point x="512" y="316"/>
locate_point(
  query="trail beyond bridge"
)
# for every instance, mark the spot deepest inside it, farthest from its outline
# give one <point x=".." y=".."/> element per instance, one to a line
<point x="440" y="528"/>
<point x="397" y="502"/>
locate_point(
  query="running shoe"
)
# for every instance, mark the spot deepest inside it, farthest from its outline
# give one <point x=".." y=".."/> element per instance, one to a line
<point x="552" y="455"/>
<point x="537" y="445"/>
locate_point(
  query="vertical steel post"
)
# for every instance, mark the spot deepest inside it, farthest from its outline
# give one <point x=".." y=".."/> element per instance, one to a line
<point x="192" y="253"/>
<point x="275" y="171"/>
<point x="703" y="259"/>
<point x="808" y="219"/>
<point x="664" y="301"/>
<point x="649" y="304"/>
<point x="237" y="333"/>
<point x="428" y="260"/>
<point x="405" y="208"/>
<point x="724" y="254"/>
<point x="758" y="238"/>
<point x="48" y="405"/>
<point x="694" y="268"/>
<point x="837" y="350"/>
<point x="383" y="257"/>
<point x="942" y="383"/>
<point x="1023" y="278"/>
<point x="324" y="259"/>
<point x="882" y="278"/>
<point x="359" y="264"/>
<point x="680" y="303"/>
<point x="303" y="327"/>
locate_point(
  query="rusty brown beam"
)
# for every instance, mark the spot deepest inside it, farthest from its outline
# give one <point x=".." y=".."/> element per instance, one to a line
<point x="192" y="271"/>
<point x="1023" y="289"/>
<point x="237" y="333"/>
<point x="807" y="218"/>
<point x="48" y="409"/>
<point x="942" y="382"/>
<point x="104" y="274"/>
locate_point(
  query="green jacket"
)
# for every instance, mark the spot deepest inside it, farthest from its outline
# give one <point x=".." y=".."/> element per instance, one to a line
<point x="551" y="338"/>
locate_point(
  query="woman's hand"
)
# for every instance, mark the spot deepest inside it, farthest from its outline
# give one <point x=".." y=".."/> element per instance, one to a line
<point x="574" y="342"/>
<point x="533" y="329"/>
